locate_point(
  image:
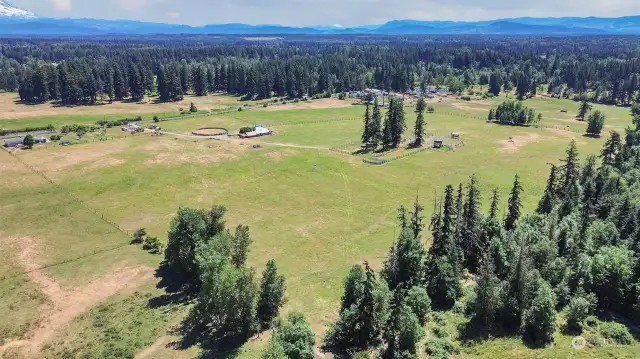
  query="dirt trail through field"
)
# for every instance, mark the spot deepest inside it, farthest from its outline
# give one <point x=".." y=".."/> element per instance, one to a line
<point x="158" y="344"/>
<point x="66" y="304"/>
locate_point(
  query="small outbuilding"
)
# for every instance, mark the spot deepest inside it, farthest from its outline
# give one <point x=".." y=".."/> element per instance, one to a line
<point x="39" y="139"/>
<point x="437" y="143"/>
<point x="455" y="135"/>
<point x="13" y="142"/>
<point x="260" y="130"/>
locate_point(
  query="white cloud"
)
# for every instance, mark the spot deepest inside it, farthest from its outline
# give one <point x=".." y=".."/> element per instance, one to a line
<point x="62" y="5"/>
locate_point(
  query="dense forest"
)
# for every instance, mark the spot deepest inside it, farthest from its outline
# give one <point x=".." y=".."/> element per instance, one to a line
<point x="89" y="71"/>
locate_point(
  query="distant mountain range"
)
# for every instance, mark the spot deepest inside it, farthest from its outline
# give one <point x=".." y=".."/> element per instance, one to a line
<point x="18" y="22"/>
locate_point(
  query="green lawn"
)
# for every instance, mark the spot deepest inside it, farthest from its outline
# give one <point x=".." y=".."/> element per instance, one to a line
<point x="315" y="212"/>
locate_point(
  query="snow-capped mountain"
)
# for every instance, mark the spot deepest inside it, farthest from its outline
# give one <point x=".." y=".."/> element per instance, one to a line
<point x="9" y="10"/>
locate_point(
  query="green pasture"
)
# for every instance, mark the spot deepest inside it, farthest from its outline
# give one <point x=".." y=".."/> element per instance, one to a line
<point x="316" y="212"/>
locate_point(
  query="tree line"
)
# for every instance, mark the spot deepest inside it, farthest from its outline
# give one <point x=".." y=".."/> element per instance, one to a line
<point x="82" y="71"/>
<point x="577" y="253"/>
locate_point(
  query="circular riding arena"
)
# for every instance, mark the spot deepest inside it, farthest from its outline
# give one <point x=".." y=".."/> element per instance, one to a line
<point x="210" y="131"/>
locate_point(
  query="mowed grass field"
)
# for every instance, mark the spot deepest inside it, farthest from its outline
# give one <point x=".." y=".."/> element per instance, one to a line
<point x="315" y="211"/>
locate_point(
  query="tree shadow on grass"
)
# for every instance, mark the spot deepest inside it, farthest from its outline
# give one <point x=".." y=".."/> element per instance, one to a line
<point x="178" y="289"/>
<point x="214" y="342"/>
<point x="476" y="331"/>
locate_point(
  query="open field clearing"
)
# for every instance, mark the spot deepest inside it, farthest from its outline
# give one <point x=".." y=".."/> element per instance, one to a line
<point x="316" y="212"/>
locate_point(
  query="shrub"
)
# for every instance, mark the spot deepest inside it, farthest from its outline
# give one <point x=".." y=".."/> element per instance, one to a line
<point x="239" y="109"/>
<point x="579" y="309"/>
<point x="296" y="337"/>
<point x="265" y="104"/>
<point x="139" y="235"/>
<point x="418" y="300"/>
<point x="440" y="348"/>
<point x="296" y="100"/>
<point x="441" y="332"/>
<point x="153" y="245"/>
<point x="539" y="320"/>
<point x="138" y="118"/>
<point x="8" y="131"/>
<point x="361" y="355"/>
<point x="465" y="98"/>
<point x="55" y="137"/>
<point x="616" y="333"/>
<point x="341" y="96"/>
<point x="156" y="119"/>
<point x="193" y="108"/>
<point x="590" y="322"/>
<point x="594" y="340"/>
<point x="430" y="108"/>
<point x="244" y="130"/>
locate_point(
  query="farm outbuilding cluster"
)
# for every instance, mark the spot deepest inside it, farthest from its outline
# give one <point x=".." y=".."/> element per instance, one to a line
<point x="16" y="142"/>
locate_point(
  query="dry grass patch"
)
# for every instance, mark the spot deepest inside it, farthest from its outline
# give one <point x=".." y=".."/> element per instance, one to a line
<point x="567" y="134"/>
<point x="95" y="155"/>
<point x="10" y="108"/>
<point x="167" y="151"/>
<point x="66" y="303"/>
<point x="514" y="143"/>
<point x="315" y="104"/>
<point x="278" y="155"/>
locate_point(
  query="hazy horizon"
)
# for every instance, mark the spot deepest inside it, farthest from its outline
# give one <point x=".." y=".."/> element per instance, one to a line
<point x="317" y="13"/>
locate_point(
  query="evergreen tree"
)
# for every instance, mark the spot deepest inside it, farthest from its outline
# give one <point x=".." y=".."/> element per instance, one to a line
<point x="442" y="271"/>
<point x="635" y="115"/>
<point x="584" y="108"/>
<point x="416" y="218"/>
<point x="398" y="123"/>
<point x="404" y="266"/>
<point x="548" y="200"/>
<point x="375" y="126"/>
<point x="487" y="300"/>
<point x="185" y="78"/>
<point x="419" y="126"/>
<point x="109" y="87"/>
<point x="271" y="297"/>
<point x="136" y="85"/>
<point x="366" y="128"/>
<point x="40" y="84"/>
<point x="570" y="172"/>
<point x="472" y="220"/>
<point x="353" y="288"/>
<point x="493" y="210"/>
<point x="514" y="205"/>
<point x="200" y="81"/>
<point x="119" y="84"/>
<point x="369" y="327"/>
<point x="387" y="131"/>
<point x="611" y="148"/>
<point x="403" y="330"/>
<point x="494" y="84"/>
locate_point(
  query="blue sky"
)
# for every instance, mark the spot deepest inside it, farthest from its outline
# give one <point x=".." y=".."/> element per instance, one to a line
<point x="321" y="12"/>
